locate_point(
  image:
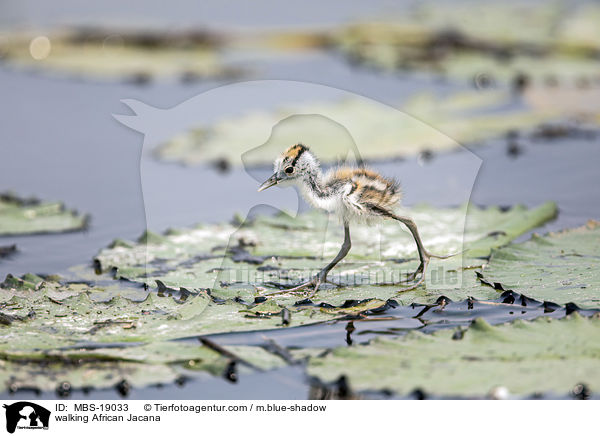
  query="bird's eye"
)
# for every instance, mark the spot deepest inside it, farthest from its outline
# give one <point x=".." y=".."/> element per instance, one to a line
<point x="289" y="170"/>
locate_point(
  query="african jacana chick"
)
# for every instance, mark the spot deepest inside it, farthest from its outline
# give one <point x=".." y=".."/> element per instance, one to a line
<point x="353" y="194"/>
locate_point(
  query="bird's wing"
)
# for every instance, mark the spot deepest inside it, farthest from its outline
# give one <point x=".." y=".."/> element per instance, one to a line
<point x="351" y="198"/>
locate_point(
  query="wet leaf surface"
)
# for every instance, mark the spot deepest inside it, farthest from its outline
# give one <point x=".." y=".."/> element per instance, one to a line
<point x="234" y="262"/>
<point x="19" y="216"/>
<point x="525" y="357"/>
<point x="53" y="332"/>
<point x="394" y="319"/>
<point x="560" y="267"/>
<point x="91" y="336"/>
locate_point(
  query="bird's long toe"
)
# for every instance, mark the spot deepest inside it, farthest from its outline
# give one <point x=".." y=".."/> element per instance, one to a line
<point x="422" y="270"/>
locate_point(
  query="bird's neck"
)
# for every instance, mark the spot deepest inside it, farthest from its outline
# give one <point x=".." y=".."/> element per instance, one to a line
<point x="316" y="191"/>
<point x="313" y="182"/>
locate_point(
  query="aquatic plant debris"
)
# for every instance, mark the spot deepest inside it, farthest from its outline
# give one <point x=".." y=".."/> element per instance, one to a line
<point x="561" y="267"/>
<point x="525" y="356"/>
<point x="20" y="216"/>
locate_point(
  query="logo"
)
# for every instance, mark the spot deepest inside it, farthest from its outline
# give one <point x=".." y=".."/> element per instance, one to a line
<point x="26" y="415"/>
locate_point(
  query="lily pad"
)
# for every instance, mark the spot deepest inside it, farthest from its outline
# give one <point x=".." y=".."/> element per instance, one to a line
<point x="20" y="216"/>
<point x="120" y="54"/>
<point x="525" y="357"/>
<point x="57" y="333"/>
<point x="140" y="366"/>
<point x="561" y="267"/>
<point x="279" y="249"/>
<point x="477" y="41"/>
<point x="465" y="117"/>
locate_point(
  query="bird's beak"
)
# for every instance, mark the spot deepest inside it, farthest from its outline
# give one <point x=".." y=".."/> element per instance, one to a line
<point x="273" y="180"/>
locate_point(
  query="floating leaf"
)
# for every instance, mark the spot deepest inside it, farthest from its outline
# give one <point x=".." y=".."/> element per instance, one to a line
<point x="139" y="365"/>
<point x="470" y="41"/>
<point x="20" y="216"/>
<point x="109" y="54"/>
<point x="285" y="250"/>
<point x="560" y="267"/>
<point x="466" y="117"/>
<point x="525" y="357"/>
<point x="58" y="332"/>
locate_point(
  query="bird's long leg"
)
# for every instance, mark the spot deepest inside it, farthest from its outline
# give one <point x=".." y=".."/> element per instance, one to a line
<point x="424" y="255"/>
<point x="321" y="277"/>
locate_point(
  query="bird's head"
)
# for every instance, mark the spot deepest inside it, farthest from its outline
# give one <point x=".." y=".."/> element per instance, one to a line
<point x="293" y="165"/>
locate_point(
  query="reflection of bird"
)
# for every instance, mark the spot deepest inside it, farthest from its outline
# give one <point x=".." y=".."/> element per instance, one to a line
<point x="353" y="194"/>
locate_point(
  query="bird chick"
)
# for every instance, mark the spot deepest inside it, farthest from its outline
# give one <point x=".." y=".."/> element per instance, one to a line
<point x="352" y="194"/>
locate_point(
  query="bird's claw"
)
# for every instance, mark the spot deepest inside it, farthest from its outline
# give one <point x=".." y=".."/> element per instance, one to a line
<point x="422" y="269"/>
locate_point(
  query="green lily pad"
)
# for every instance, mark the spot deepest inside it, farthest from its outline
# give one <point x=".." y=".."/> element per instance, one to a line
<point x="140" y="366"/>
<point x="560" y="267"/>
<point x="56" y="333"/>
<point x="234" y="262"/>
<point x="20" y="216"/>
<point x="525" y="357"/>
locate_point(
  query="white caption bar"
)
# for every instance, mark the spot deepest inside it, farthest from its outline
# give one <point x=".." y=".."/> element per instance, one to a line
<point x="284" y="418"/>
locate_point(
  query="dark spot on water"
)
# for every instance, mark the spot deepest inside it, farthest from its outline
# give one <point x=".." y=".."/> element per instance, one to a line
<point x="581" y="392"/>
<point x="8" y="250"/>
<point x="268" y="268"/>
<point x="181" y="380"/>
<point x="425" y="156"/>
<point x="230" y="373"/>
<point x="514" y="149"/>
<point x="123" y="388"/>
<point x="550" y="307"/>
<point x="344" y="392"/>
<point x="419" y="394"/>
<point x="520" y="82"/>
<point x="140" y="78"/>
<point x="572" y="307"/>
<point x="349" y="330"/>
<point x="286" y="317"/>
<point x="64" y="389"/>
<point x="508" y="297"/>
<point x="458" y="335"/>
<point x="222" y="165"/>
<point x="526" y="300"/>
